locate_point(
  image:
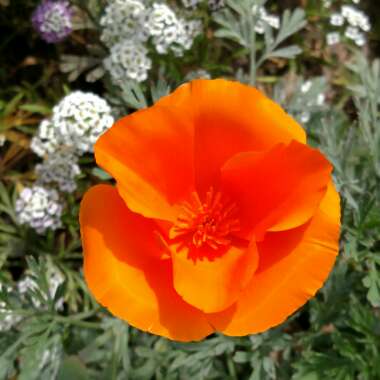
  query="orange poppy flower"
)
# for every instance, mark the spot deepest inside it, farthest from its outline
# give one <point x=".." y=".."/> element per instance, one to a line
<point x="222" y="218"/>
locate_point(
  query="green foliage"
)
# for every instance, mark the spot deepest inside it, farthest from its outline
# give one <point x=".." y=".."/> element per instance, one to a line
<point x="238" y="22"/>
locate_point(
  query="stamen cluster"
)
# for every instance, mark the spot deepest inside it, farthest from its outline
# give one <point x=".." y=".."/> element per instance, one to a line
<point x="208" y="223"/>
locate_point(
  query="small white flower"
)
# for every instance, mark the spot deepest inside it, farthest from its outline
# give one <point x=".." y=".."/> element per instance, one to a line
<point x="336" y="19"/>
<point x="320" y="100"/>
<point x="46" y="140"/>
<point x="159" y="18"/>
<point x="351" y="33"/>
<point x="333" y="38"/>
<point x="305" y="117"/>
<point x="260" y="27"/>
<point x="263" y="18"/>
<point x="40" y="208"/>
<point x="186" y="32"/>
<point x="128" y="60"/>
<point x="360" y="39"/>
<point x="347" y="11"/>
<point x="25" y="285"/>
<point x="273" y="21"/>
<point x="306" y="86"/>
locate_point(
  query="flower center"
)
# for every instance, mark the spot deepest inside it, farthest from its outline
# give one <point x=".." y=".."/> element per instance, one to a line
<point x="206" y="223"/>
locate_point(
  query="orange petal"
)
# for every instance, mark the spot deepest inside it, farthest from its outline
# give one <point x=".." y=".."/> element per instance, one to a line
<point x="124" y="272"/>
<point x="293" y="266"/>
<point x="213" y="284"/>
<point x="229" y="117"/>
<point x="278" y="189"/>
<point x="150" y="154"/>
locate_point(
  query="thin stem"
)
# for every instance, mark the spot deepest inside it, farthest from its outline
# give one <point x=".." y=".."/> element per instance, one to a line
<point x="76" y="319"/>
<point x="79" y="323"/>
<point x="231" y="368"/>
<point x="86" y="314"/>
<point x="252" y="77"/>
<point x="252" y="49"/>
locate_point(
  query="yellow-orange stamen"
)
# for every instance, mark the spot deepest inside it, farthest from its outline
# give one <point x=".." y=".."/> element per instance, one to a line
<point x="209" y="223"/>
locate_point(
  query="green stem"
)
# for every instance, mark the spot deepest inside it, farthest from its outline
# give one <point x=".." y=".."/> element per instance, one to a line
<point x="79" y="323"/>
<point x="76" y="319"/>
<point x="86" y="314"/>
<point x="252" y="52"/>
<point x="231" y="368"/>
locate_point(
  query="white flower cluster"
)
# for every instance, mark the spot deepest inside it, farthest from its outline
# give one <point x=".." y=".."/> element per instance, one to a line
<point x="170" y="32"/>
<point x="77" y="122"/>
<point x="264" y="19"/>
<point x="128" y="60"/>
<point x="40" y="208"/>
<point x="122" y="20"/>
<point x="60" y="168"/>
<point x="333" y="38"/>
<point x="80" y="118"/>
<point x="54" y="278"/>
<point x="354" y="22"/>
<point x="127" y="25"/>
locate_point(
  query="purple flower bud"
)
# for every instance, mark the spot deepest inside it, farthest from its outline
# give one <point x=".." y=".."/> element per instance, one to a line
<point x="53" y="20"/>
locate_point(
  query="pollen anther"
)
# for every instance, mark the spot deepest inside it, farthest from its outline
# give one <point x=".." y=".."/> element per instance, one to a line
<point x="206" y="223"/>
